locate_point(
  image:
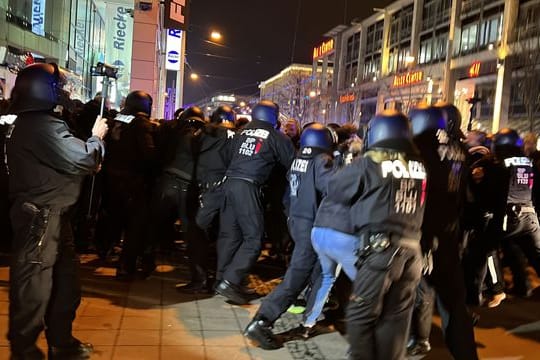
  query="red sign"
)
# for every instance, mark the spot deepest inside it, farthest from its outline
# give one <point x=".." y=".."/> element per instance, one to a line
<point x="409" y="78"/>
<point x="176" y="14"/>
<point x="346" y="98"/>
<point x="474" y="70"/>
<point x="323" y="49"/>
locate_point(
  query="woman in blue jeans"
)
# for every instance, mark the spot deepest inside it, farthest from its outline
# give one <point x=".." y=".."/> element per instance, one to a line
<point x="336" y="250"/>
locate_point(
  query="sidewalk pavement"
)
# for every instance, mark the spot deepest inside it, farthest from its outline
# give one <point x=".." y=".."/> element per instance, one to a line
<point x="150" y="320"/>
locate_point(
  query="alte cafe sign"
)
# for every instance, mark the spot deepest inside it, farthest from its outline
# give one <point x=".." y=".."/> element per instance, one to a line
<point x="323" y="49"/>
<point x="408" y="78"/>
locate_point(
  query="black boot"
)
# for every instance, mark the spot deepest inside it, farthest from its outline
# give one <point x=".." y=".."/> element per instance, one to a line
<point x="259" y="331"/>
<point x="32" y="353"/>
<point x="232" y="292"/>
<point x="76" y="351"/>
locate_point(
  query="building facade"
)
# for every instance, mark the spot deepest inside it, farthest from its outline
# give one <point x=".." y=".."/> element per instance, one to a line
<point x="290" y="89"/>
<point x="484" y="53"/>
<point x="76" y="34"/>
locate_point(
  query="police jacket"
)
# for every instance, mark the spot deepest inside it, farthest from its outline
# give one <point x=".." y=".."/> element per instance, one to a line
<point x="489" y="187"/>
<point x="308" y="179"/>
<point x="519" y="176"/>
<point x="257" y="148"/>
<point x="131" y="152"/>
<point x="185" y="150"/>
<point x="46" y="162"/>
<point x="385" y="192"/>
<point x="215" y="152"/>
<point x="446" y="165"/>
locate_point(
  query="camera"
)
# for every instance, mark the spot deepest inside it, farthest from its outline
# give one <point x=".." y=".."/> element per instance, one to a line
<point x="102" y="69"/>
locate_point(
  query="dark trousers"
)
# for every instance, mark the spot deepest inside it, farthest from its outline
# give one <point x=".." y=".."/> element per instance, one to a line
<point x="45" y="288"/>
<point x="522" y="243"/>
<point x="382" y="299"/>
<point x="481" y="266"/>
<point x="422" y="315"/>
<point x="447" y="281"/>
<point x="304" y="269"/>
<point x="241" y="230"/>
<point x="176" y="198"/>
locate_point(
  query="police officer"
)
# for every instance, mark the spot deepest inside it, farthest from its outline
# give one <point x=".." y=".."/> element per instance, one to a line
<point x="176" y="195"/>
<point x="258" y="148"/>
<point x="213" y="158"/>
<point x="225" y="116"/>
<point x="521" y="237"/>
<point x="129" y="167"/>
<point x="484" y="215"/>
<point x="437" y="135"/>
<point x="46" y="166"/>
<point x="385" y="187"/>
<point x="308" y="178"/>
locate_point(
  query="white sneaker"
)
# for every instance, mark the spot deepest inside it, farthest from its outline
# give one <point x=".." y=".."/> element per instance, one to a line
<point x="496" y="300"/>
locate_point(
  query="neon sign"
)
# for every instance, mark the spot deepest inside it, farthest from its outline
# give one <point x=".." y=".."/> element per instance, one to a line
<point x="347" y="98"/>
<point x="409" y="78"/>
<point x="474" y="70"/>
<point x="323" y="49"/>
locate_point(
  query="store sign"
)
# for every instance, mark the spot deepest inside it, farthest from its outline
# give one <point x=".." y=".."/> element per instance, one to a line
<point x="38" y="17"/>
<point x="118" y="43"/>
<point x="409" y="78"/>
<point x="323" y="49"/>
<point x="474" y="70"/>
<point x="346" y="98"/>
<point x="176" y="14"/>
<point x="174" y="49"/>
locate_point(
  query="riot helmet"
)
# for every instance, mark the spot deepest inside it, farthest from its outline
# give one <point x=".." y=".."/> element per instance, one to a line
<point x="453" y="119"/>
<point x="267" y="111"/>
<point x="389" y="130"/>
<point x="138" y="102"/>
<point x="224" y="115"/>
<point x="426" y="118"/>
<point x="38" y="87"/>
<point x="316" y="135"/>
<point x="192" y="114"/>
<point x="507" y="138"/>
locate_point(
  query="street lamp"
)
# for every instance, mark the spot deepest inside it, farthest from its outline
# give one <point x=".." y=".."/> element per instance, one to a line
<point x="215" y="35"/>
<point x="194" y="76"/>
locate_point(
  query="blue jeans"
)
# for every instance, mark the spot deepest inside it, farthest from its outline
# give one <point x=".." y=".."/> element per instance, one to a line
<point x="333" y="248"/>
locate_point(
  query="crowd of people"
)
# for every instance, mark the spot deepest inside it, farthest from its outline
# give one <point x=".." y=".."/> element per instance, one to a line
<point x="411" y="209"/>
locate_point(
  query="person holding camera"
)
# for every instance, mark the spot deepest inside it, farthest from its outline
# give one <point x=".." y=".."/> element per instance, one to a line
<point x="46" y="165"/>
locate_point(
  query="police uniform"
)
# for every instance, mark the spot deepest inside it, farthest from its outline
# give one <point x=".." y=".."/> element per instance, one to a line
<point x="46" y="166"/>
<point x="521" y="237"/>
<point x="308" y="179"/>
<point x="128" y="169"/>
<point x="258" y="148"/>
<point x="445" y="160"/>
<point x="388" y="214"/>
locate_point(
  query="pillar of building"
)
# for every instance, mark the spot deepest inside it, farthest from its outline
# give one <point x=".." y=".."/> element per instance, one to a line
<point x="145" y="63"/>
<point x="418" y="12"/>
<point x="501" y="108"/>
<point x="454" y="34"/>
<point x="386" y="44"/>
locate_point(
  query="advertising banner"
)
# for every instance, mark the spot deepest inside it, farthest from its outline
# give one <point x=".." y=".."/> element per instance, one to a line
<point x="38" y="17"/>
<point x="173" y="49"/>
<point x="118" y="44"/>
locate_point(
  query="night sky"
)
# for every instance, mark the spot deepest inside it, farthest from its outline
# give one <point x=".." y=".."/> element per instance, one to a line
<point x="257" y="39"/>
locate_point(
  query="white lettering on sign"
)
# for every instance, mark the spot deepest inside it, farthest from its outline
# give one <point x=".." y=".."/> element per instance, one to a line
<point x="522" y="176"/>
<point x="38" y="17"/>
<point x="517" y="161"/>
<point x="300" y="165"/>
<point x="177" y="10"/>
<point x="406" y="198"/>
<point x="248" y="147"/>
<point x="400" y="170"/>
<point x="260" y="133"/>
